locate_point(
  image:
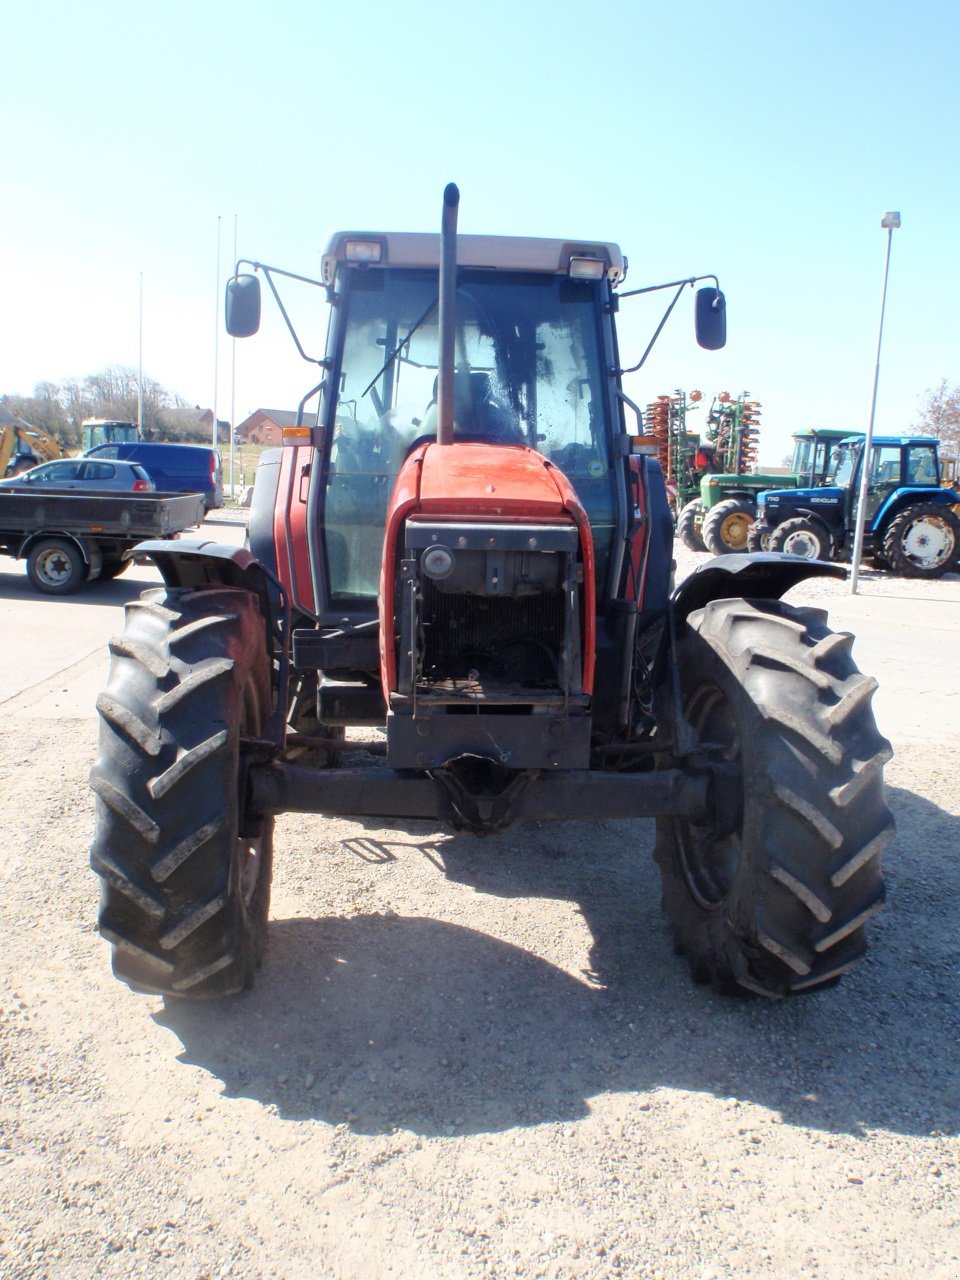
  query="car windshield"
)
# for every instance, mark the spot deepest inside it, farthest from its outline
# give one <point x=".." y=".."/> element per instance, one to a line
<point x="528" y="370"/>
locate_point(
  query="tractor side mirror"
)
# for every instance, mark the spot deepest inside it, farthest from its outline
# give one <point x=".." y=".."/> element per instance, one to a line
<point x="242" y="306"/>
<point x="711" y="319"/>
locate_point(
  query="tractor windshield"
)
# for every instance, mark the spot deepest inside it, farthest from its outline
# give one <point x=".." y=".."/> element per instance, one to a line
<point x="528" y="371"/>
<point x="803" y="451"/>
<point x="849" y="456"/>
<point x="814" y="458"/>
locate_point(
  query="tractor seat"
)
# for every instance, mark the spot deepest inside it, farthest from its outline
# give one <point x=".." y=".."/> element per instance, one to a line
<point x="477" y="412"/>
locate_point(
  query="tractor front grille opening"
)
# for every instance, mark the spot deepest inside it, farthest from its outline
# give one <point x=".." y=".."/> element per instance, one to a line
<point x="492" y="642"/>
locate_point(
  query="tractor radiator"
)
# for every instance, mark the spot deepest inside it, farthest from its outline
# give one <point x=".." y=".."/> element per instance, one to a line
<point x="492" y="640"/>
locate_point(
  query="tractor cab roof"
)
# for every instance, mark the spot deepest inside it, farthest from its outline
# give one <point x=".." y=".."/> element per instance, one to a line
<point x="577" y="258"/>
<point x="893" y="441"/>
<point x="831" y="433"/>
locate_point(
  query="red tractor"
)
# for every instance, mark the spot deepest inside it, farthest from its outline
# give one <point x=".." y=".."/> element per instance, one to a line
<point x="471" y="552"/>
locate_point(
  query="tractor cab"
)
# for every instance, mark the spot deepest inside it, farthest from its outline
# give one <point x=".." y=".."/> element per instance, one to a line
<point x="531" y="370"/>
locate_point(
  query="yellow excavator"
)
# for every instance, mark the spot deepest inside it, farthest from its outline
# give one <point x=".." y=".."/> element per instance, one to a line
<point x="22" y="446"/>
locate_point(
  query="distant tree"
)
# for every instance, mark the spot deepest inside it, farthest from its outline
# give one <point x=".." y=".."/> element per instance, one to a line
<point x="940" y="415"/>
<point x="43" y="409"/>
<point x="111" y="393"/>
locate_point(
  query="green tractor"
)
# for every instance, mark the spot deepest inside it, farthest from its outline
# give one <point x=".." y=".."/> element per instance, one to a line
<point x="720" y="517"/>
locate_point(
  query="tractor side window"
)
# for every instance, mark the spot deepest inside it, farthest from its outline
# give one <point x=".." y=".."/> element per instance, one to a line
<point x="848" y="456"/>
<point x="922" y="465"/>
<point x="885" y="466"/>
<point x="803" y="457"/>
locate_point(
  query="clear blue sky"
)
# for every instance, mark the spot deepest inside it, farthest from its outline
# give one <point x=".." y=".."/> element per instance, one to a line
<point x="761" y="142"/>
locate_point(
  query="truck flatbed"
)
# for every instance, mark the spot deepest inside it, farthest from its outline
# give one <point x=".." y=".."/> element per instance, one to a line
<point x="70" y="537"/>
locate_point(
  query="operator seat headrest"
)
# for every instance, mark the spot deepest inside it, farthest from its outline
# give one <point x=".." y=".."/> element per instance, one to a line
<point x="478" y="413"/>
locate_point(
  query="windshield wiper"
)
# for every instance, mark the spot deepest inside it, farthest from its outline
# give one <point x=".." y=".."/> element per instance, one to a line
<point x="398" y="348"/>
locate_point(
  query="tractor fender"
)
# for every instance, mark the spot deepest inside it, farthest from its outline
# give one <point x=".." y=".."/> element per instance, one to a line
<point x="907" y="495"/>
<point x="196" y="563"/>
<point x="764" y="576"/>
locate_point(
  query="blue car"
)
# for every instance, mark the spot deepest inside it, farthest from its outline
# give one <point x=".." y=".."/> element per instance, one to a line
<point x="174" y="468"/>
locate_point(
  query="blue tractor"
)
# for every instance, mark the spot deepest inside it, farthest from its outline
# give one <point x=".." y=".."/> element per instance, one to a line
<point x="911" y="524"/>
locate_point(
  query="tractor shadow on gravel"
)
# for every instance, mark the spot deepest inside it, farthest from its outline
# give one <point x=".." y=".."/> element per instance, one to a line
<point x="385" y="1021"/>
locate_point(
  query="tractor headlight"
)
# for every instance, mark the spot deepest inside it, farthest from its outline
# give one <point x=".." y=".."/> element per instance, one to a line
<point x="437" y="563"/>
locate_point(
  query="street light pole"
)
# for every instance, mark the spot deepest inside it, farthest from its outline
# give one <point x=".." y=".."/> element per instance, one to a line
<point x="889" y="221"/>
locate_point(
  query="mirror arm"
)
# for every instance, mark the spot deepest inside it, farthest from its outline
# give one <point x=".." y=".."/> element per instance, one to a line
<point x="269" y="273"/>
<point x="666" y="316"/>
<point x="671" y="284"/>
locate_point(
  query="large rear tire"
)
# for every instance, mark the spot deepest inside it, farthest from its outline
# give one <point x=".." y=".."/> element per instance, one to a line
<point x="774" y="896"/>
<point x="923" y="541"/>
<point x="725" y="526"/>
<point x="688" y="526"/>
<point x="185" y="872"/>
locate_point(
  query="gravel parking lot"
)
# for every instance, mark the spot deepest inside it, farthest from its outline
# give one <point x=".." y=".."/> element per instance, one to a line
<point x="474" y="1058"/>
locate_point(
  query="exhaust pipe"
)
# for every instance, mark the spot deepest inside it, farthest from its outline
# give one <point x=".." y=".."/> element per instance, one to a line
<point x="447" y="318"/>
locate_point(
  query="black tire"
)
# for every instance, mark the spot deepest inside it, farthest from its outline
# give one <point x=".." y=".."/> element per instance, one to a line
<point x="185" y="873"/>
<point x="688" y="526"/>
<point x="802" y="537"/>
<point x="774" y="899"/>
<point x="111" y="569"/>
<point x="56" y="566"/>
<point x="725" y="526"/>
<point x="758" y="537"/>
<point x="923" y="541"/>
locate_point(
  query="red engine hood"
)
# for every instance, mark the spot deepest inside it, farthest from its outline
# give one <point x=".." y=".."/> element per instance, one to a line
<point x="502" y="482"/>
<point x="486" y="482"/>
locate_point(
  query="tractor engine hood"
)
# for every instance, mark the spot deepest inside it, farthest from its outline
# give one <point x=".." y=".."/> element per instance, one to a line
<point x="824" y="496"/>
<point x="474" y="483"/>
<point x="492" y="481"/>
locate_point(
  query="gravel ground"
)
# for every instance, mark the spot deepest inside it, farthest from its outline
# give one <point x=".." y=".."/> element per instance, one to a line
<point x="476" y="1058"/>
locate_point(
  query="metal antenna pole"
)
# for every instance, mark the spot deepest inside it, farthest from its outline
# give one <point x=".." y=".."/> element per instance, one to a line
<point x="140" y="369"/>
<point x="233" y="387"/>
<point x="216" y="339"/>
<point x="890" y="221"/>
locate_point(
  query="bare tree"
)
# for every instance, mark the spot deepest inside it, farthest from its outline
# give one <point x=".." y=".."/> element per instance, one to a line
<point x="940" y="415"/>
<point x="43" y="409"/>
<point x="111" y="393"/>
